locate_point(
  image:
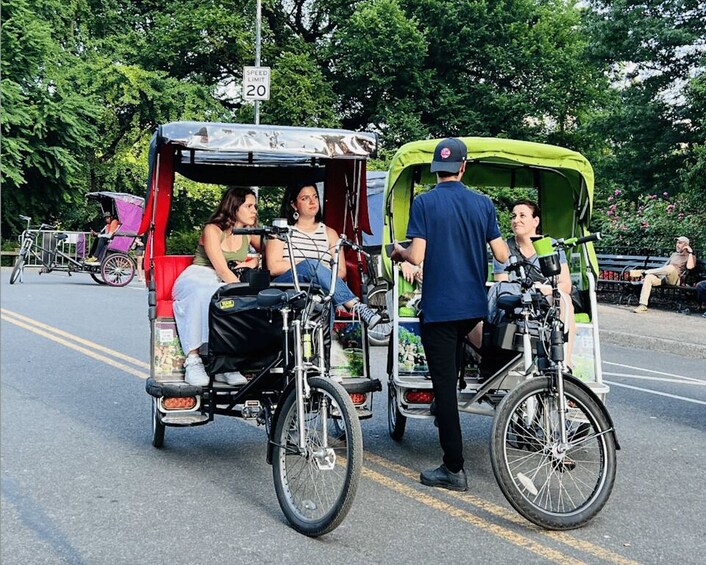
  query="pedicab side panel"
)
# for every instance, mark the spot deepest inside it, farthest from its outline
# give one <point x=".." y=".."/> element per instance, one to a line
<point x="564" y="179"/>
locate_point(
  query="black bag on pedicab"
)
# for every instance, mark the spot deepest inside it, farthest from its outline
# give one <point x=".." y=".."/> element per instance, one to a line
<point x="241" y="335"/>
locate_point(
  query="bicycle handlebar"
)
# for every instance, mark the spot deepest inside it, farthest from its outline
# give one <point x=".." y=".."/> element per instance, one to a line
<point x="354" y="246"/>
<point x="263" y="230"/>
<point x="574" y="241"/>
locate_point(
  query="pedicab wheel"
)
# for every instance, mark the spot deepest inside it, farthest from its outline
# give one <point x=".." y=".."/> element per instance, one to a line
<point x="316" y="486"/>
<point x="117" y="269"/>
<point x="157" y="426"/>
<point x="556" y="487"/>
<point x="96" y="277"/>
<point x="17" y="269"/>
<point x="396" y="422"/>
<point x="380" y="334"/>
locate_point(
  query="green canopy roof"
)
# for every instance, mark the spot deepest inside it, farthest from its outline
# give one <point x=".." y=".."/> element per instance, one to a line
<point x="563" y="179"/>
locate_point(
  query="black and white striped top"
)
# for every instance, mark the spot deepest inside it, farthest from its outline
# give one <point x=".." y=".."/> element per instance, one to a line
<point x="310" y="245"/>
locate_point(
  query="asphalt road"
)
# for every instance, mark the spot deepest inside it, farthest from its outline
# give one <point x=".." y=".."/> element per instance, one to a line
<point x="81" y="482"/>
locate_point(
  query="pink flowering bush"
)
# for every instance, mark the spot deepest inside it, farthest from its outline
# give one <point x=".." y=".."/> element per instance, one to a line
<point x="650" y="224"/>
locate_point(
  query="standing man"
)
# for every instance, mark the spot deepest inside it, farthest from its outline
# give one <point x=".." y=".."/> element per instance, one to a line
<point x="449" y="228"/>
<point x="679" y="262"/>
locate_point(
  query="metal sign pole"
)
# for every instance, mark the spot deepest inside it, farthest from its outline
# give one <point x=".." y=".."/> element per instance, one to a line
<point x="257" y="53"/>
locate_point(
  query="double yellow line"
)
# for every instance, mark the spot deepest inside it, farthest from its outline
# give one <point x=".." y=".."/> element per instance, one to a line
<point x="397" y="478"/>
<point x="78" y="344"/>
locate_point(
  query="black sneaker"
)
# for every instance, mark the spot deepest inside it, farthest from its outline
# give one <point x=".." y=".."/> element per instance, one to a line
<point x="368" y="316"/>
<point x="443" y="478"/>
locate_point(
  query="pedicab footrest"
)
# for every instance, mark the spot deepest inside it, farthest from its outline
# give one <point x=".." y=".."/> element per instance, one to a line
<point x="173" y="389"/>
<point x="361" y="385"/>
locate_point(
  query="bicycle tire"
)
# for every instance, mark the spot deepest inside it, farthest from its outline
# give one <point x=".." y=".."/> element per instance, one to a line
<point x="117" y="269"/>
<point x="316" y="491"/>
<point x="553" y="490"/>
<point x="17" y="269"/>
<point x="396" y="421"/>
<point x="158" y="427"/>
<point x="97" y="277"/>
<point x="380" y="334"/>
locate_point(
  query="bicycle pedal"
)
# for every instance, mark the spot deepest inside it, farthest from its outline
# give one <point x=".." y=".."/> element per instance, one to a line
<point x="251" y="408"/>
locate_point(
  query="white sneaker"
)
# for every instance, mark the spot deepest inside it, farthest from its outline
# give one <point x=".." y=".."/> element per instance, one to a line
<point x="195" y="371"/>
<point x="234" y="378"/>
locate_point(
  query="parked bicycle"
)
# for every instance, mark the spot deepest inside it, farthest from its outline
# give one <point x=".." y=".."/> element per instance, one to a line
<point x="27" y="246"/>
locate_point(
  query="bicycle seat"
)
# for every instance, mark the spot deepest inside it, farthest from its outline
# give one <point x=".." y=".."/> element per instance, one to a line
<point x="277" y="298"/>
<point x="61" y="236"/>
<point x="509" y="302"/>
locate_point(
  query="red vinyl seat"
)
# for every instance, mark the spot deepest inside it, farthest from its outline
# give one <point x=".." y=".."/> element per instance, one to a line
<point x="167" y="268"/>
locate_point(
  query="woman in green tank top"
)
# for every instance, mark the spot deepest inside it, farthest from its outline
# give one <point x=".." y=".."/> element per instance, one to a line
<point x="194" y="287"/>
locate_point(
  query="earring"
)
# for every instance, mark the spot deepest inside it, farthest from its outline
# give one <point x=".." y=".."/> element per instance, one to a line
<point x="295" y="215"/>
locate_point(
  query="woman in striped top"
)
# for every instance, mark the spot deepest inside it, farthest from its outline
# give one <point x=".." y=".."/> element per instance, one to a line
<point x="312" y="245"/>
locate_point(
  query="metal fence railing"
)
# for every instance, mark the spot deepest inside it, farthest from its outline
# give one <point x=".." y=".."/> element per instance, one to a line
<point x="76" y="246"/>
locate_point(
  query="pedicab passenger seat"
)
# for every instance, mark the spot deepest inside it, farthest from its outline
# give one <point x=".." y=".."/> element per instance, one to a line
<point x="166" y="270"/>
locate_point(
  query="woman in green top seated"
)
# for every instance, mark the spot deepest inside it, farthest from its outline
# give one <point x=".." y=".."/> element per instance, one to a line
<point x="195" y="286"/>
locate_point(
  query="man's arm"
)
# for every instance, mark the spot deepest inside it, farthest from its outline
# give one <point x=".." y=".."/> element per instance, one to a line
<point x="691" y="261"/>
<point x="500" y="250"/>
<point x="413" y="254"/>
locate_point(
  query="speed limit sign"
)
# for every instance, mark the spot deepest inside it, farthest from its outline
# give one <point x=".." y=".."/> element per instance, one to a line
<point x="256" y="83"/>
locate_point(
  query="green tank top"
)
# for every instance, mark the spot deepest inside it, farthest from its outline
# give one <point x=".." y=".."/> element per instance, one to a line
<point x="201" y="258"/>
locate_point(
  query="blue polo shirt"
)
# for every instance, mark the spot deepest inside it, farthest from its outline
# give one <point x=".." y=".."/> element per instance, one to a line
<point x="456" y="223"/>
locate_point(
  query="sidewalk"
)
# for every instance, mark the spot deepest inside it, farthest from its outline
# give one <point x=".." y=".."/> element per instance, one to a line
<point x="655" y="330"/>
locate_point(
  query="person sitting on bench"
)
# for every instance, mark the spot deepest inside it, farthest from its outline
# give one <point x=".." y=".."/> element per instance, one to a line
<point x="679" y="262"/>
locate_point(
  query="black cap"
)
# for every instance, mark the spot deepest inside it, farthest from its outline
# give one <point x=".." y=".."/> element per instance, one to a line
<point x="107" y="214"/>
<point x="448" y="156"/>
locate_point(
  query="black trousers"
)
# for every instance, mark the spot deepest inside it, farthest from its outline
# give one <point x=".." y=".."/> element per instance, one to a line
<point x="98" y="247"/>
<point x="443" y="346"/>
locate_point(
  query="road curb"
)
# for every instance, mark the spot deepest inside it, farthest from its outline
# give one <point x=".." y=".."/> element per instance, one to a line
<point x="672" y="346"/>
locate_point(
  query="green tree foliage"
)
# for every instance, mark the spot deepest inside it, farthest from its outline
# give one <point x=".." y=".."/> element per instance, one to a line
<point x="85" y="83"/>
<point x="377" y="62"/>
<point x="47" y="129"/>
<point x="653" y="49"/>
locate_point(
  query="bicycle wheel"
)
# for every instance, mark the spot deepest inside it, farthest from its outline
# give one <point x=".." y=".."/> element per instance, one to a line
<point x="557" y="489"/>
<point x="97" y="277"/>
<point x="117" y="269"/>
<point x="17" y="269"/>
<point x="396" y="422"/>
<point x="380" y="334"/>
<point x="157" y="426"/>
<point x="316" y="487"/>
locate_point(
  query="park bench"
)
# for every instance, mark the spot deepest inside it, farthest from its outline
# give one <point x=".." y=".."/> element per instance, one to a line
<point x="7" y="256"/>
<point x="614" y="279"/>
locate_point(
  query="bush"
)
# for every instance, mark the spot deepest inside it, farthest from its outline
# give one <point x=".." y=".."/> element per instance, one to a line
<point x="650" y="224"/>
<point x="183" y="242"/>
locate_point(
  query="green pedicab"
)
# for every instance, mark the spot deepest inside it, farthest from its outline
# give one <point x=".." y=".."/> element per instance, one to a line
<point x="553" y="442"/>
